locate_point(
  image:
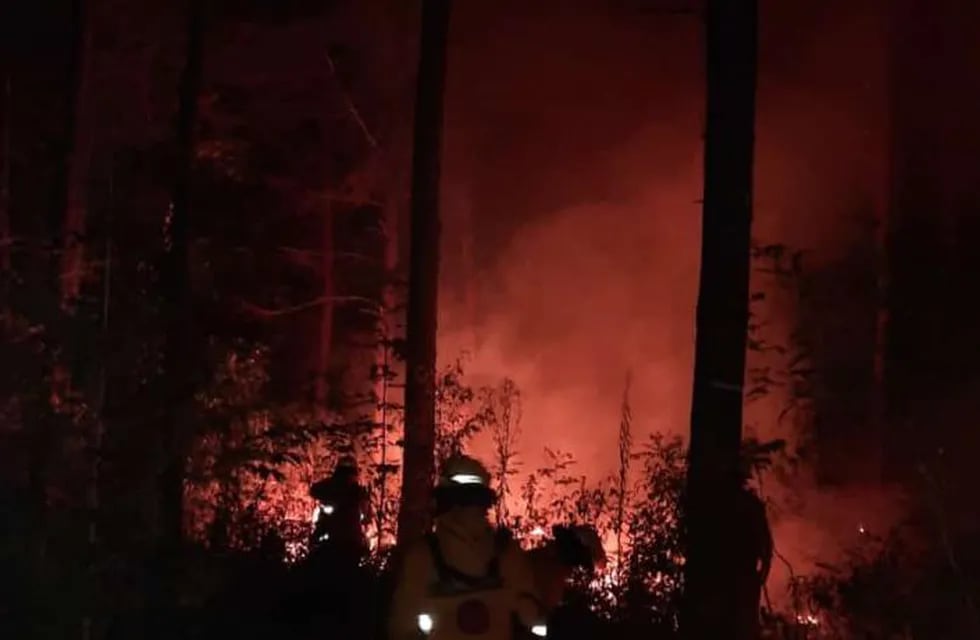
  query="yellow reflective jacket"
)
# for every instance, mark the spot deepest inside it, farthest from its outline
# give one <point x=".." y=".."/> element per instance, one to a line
<point x="497" y="575"/>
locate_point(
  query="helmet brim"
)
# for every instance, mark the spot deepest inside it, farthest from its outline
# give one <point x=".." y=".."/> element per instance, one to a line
<point x="464" y="495"/>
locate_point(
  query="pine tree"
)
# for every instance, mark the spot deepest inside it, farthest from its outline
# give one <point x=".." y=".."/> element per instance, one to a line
<point x="179" y="324"/>
<point x="423" y="285"/>
<point x="722" y="320"/>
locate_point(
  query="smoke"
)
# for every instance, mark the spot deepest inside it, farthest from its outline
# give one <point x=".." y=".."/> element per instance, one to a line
<point x="579" y="297"/>
<point x="572" y="219"/>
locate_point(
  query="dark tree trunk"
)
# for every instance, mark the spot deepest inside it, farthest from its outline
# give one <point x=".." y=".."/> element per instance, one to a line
<point x="41" y="291"/>
<point x="6" y="129"/>
<point x="883" y="206"/>
<point x="179" y="357"/>
<point x="91" y="622"/>
<point x="78" y="159"/>
<point x="5" y="239"/>
<point x="710" y="610"/>
<point x="932" y="337"/>
<point x="423" y="283"/>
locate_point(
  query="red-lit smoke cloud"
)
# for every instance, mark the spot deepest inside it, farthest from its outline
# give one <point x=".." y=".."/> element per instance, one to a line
<point x="572" y="219"/>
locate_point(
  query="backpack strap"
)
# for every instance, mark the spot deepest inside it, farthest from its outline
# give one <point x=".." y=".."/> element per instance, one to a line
<point x="502" y="540"/>
<point x="451" y="578"/>
<point x="443" y="570"/>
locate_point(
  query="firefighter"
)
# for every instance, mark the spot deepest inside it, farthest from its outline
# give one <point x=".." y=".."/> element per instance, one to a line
<point x="753" y="549"/>
<point x="464" y="580"/>
<point x="571" y="548"/>
<point x="341" y="510"/>
<point x="331" y="581"/>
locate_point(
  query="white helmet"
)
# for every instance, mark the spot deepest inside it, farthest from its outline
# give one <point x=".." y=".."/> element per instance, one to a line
<point x="463" y="471"/>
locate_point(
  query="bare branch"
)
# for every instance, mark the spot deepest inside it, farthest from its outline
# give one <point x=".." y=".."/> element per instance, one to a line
<point x="296" y="251"/>
<point x="264" y="312"/>
<point x="351" y="107"/>
<point x="313" y="253"/>
<point x="342" y="198"/>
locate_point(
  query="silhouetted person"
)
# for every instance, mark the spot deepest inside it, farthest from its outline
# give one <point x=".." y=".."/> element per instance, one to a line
<point x="332" y="576"/>
<point x="341" y="510"/>
<point x="572" y="548"/>
<point x="752" y="546"/>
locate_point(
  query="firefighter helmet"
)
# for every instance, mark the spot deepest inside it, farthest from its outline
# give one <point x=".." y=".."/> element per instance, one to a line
<point x="463" y="471"/>
<point x="347" y="462"/>
<point x="463" y="482"/>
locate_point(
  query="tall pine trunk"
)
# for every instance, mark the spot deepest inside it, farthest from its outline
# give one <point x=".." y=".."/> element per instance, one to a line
<point x="423" y="281"/>
<point x="91" y="620"/>
<point x="6" y="115"/>
<point x="42" y="284"/>
<point x="882" y="204"/>
<point x="78" y="160"/>
<point x="710" y="609"/>
<point x="178" y="317"/>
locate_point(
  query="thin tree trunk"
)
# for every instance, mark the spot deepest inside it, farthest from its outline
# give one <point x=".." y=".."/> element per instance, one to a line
<point x="326" y="314"/>
<point x="423" y="286"/>
<point x="79" y="157"/>
<point x="387" y="320"/>
<point x="90" y="622"/>
<point x="882" y="204"/>
<point x="179" y="346"/>
<point x="710" y="609"/>
<point x="5" y="238"/>
<point x="43" y="285"/>
<point x="625" y="455"/>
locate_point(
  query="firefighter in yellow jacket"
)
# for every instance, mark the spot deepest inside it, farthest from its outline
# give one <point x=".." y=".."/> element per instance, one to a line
<point x="464" y="581"/>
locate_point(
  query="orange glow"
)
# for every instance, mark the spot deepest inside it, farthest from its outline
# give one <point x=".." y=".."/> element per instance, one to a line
<point x="579" y="185"/>
<point x="571" y="215"/>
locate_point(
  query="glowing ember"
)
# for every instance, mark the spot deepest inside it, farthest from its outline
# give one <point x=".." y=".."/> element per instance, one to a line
<point x="537" y="532"/>
<point x="294" y="551"/>
<point x="808" y="620"/>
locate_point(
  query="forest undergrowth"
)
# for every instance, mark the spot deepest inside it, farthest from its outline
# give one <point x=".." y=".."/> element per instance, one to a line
<point x="637" y="510"/>
<point x="248" y="515"/>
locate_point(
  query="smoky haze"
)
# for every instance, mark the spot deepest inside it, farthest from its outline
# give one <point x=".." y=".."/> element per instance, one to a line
<point x="572" y="215"/>
<point x="572" y="169"/>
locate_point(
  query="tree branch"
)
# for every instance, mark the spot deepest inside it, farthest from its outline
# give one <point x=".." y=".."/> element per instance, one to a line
<point x="264" y="312"/>
<point x="332" y="196"/>
<point x="351" y="107"/>
<point x="313" y="253"/>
